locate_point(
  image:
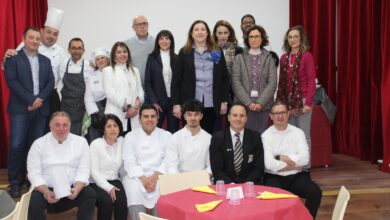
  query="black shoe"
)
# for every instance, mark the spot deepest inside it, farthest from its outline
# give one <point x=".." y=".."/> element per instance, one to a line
<point x="14" y="192"/>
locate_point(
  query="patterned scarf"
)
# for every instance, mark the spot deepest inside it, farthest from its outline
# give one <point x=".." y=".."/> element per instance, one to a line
<point x="230" y="49"/>
<point x="294" y="98"/>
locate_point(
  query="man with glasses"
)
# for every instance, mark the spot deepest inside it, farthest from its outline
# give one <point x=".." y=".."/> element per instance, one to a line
<point x="73" y="75"/>
<point x="140" y="45"/>
<point x="247" y="21"/>
<point x="285" y="154"/>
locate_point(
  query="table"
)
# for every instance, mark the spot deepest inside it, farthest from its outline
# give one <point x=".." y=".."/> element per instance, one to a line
<point x="181" y="206"/>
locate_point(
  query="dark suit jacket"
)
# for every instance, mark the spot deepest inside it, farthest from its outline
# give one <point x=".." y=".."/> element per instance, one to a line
<point x="18" y="76"/>
<point x="184" y="81"/>
<point x="222" y="162"/>
<point x="154" y="80"/>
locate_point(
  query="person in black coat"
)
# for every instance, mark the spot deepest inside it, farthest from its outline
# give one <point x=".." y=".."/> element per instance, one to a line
<point x="200" y="73"/>
<point x="230" y="163"/>
<point x="158" y="78"/>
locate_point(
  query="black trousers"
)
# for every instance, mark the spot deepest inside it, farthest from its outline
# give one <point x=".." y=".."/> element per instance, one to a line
<point x="207" y="122"/>
<point x="300" y="184"/>
<point x="85" y="202"/>
<point x="105" y="205"/>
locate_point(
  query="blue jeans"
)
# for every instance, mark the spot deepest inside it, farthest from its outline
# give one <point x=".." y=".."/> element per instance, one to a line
<point x="24" y="129"/>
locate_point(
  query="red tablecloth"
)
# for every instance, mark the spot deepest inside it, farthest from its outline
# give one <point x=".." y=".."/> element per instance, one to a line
<point x="181" y="206"/>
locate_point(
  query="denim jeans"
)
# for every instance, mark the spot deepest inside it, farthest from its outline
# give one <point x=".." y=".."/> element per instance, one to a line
<point x="24" y="129"/>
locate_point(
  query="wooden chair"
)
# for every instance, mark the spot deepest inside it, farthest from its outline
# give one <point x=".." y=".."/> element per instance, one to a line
<point x="24" y="202"/>
<point x="12" y="215"/>
<point x="144" y="216"/>
<point x="170" y="183"/>
<point x="341" y="204"/>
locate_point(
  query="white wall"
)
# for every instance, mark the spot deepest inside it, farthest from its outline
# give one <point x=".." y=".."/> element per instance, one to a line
<point x="103" y="22"/>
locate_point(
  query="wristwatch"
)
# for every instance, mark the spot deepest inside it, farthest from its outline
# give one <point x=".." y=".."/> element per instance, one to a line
<point x="277" y="157"/>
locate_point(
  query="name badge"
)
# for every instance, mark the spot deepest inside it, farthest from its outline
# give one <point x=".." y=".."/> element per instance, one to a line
<point x="250" y="158"/>
<point x="254" y="94"/>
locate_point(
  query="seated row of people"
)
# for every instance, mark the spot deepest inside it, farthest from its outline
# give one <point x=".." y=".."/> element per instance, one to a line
<point x="124" y="171"/>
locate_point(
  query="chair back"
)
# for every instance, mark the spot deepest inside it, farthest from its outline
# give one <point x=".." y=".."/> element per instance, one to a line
<point x="341" y="204"/>
<point x="170" y="183"/>
<point x="23" y="206"/>
<point x="144" y="216"/>
<point x="12" y="215"/>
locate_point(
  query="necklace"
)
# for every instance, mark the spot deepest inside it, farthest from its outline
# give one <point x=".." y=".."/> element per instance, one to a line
<point x="289" y="61"/>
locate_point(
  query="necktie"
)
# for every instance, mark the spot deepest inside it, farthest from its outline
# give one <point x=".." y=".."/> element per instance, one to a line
<point x="237" y="150"/>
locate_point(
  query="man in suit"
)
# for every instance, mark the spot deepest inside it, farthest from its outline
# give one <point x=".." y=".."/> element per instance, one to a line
<point x="29" y="76"/>
<point x="236" y="153"/>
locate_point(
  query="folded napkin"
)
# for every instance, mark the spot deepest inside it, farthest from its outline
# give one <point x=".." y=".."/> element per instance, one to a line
<point x="271" y="195"/>
<point x="205" y="189"/>
<point x="207" y="206"/>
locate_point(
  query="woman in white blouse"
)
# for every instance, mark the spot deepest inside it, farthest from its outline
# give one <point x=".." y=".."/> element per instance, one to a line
<point x="106" y="162"/>
<point x="95" y="97"/>
<point x="123" y="88"/>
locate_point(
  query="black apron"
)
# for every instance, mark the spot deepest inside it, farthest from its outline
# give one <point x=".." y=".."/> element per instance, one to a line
<point x="73" y="98"/>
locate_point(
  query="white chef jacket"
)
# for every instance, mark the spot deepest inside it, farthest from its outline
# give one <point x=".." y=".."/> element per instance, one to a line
<point x="105" y="164"/>
<point x="122" y="87"/>
<point x="143" y="155"/>
<point x="94" y="91"/>
<point x="56" y="54"/>
<point x="290" y="142"/>
<point x="74" y="68"/>
<point x="188" y="153"/>
<point x="46" y="154"/>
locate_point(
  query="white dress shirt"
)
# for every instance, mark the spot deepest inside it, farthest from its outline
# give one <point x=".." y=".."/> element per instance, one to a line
<point x="106" y="161"/>
<point x="94" y="91"/>
<point x="290" y="142"/>
<point x="187" y="152"/>
<point x="71" y="156"/>
<point x="142" y="156"/>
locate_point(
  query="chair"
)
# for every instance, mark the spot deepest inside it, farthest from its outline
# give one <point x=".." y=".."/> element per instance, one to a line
<point x="341" y="204"/>
<point x="23" y="206"/>
<point x="144" y="216"/>
<point x="12" y="215"/>
<point x="170" y="183"/>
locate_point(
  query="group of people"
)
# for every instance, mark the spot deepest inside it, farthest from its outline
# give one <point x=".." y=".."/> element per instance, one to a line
<point x="121" y="98"/>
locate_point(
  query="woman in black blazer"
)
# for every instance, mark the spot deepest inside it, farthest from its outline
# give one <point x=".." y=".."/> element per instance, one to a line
<point x="158" y="77"/>
<point x="200" y="73"/>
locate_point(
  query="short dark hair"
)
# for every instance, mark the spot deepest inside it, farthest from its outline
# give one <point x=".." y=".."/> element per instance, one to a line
<point x="264" y="35"/>
<point x="248" y="16"/>
<point x="105" y="121"/>
<point x="192" y="106"/>
<point x="278" y="102"/>
<point x="30" y="29"/>
<point x="75" y="39"/>
<point x="147" y="107"/>
<point x="238" y="104"/>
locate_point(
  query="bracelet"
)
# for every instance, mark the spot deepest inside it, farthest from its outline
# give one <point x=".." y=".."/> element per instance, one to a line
<point x="277" y="157"/>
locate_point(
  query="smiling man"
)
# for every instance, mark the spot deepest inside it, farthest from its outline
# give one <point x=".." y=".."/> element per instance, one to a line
<point x="189" y="147"/>
<point x="285" y="154"/>
<point x="30" y="79"/>
<point x="236" y="153"/>
<point x="144" y="151"/>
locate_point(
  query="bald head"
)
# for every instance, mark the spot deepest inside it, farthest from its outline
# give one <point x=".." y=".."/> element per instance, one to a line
<point x="141" y="26"/>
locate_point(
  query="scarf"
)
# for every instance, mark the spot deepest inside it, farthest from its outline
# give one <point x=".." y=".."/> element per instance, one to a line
<point x="230" y="49"/>
<point x="293" y="99"/>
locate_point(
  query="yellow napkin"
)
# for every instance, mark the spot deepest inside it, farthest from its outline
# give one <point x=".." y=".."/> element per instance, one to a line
<point x="271" y="195"/>
<point x="205" y="189"/>
<point x="207" y="206"/>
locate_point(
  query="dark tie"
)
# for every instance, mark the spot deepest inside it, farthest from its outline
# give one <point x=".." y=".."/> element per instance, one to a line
<point x="237" y="150"/>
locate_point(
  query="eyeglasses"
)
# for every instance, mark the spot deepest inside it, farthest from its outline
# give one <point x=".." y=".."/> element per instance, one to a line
<point x="254" y="37"/>
<point x="141" y="24"/>
<point x="279" y="113"/>
<point x="247" y="22"/>
<point x="293" y="37"/>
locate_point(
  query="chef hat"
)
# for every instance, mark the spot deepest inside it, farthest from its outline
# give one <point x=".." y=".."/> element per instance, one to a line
<point x="54" y="18"/>
<point x="101" y="51"/>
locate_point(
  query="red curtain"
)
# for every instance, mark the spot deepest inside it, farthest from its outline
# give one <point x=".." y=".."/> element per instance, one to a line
<point x="358" y="121"/>
<point x="385" y="45"/>
<point x="16" y="15"/>
<point x="318" y="18"/>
